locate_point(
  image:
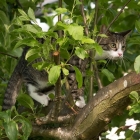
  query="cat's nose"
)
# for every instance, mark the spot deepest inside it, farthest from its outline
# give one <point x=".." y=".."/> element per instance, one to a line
<point x="120" y="54"/>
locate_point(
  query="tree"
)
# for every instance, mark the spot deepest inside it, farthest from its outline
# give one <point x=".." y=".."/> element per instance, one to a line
<point x="77" y="28"/>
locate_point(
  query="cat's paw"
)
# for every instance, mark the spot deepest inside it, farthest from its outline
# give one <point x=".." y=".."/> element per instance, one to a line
<point x="44" y="100"/>
<point x="80" y="102"/>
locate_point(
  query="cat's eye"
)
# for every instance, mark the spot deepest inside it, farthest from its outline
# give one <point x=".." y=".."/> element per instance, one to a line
<point x="123" y="47"/>
<point x="113" y="45"/>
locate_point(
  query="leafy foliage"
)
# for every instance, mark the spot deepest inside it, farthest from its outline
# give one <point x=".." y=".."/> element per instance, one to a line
<point x="16" y="31"/>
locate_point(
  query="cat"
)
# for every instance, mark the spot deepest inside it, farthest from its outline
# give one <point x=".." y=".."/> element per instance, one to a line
<point x="36" y="81"/>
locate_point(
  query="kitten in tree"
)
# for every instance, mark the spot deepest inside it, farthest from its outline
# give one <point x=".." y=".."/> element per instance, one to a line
<point x="36" y="81"/>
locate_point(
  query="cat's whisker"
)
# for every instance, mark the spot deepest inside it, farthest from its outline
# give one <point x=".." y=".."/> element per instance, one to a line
<point x="125" y="58"/>
<point x="108" y="60"/>
<point x="122" y="60"/>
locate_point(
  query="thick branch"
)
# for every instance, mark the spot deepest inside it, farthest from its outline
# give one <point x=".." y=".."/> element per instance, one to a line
<point x="108" y="102"/>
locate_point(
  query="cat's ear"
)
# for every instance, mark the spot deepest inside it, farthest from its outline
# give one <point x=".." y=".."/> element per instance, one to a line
<point x="125" y="33"/>
<point x="103" y="29"/>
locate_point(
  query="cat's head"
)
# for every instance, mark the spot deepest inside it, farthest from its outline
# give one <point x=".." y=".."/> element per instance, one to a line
<point x="113" y="45"/>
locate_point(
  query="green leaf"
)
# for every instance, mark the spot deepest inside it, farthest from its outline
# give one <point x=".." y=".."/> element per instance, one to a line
<point x="25" y="100"/>
<point x="51" y="96"/>
<point x="108" y="74"/>
<point x="32" y="28"/>
<point x="27" y="41"/>
<point x="26" y="127"/>
<point x="137" y="24"/>
<point x="79" y="76"/>
<point x="6" y="116"/>
<point x="102" y="35"/>
<point x="3" y="19"/>
<point x="23" y="13"/>
<point x="32" y="52"/>
<point x="134" y="96"/>
<point x="81" y="53"/>
<point x="62" y="25"/>
<point x="134" y="109"/>
<point x="61" y="10"/>
<point x="78" y="2"/>
<point x="31" y="14"/>
<point x="137" y="64"/>
<point x="11" y="130"/>
<point x="65" y="71"/>
<point x="87" y="40"/>
<point x="54" y="74"/>
<point x="129" y="133"/>
<point x="64" y="54"/>
<point x="75" y="31"/>
<point x="98" y="48"/>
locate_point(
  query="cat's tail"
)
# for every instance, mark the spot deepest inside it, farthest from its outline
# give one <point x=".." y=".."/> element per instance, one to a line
<point x="15" y="82"/>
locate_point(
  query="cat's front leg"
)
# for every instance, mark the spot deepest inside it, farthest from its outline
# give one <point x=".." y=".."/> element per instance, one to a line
<point x="39" y="97"/>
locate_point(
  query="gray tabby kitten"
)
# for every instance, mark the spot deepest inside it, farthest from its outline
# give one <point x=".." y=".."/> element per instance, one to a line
<point x="36" y="81"/>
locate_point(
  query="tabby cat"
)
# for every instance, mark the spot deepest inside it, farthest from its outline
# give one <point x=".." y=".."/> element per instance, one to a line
<point x="36" y="81"/>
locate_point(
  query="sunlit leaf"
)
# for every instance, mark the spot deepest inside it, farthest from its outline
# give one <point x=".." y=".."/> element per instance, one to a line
<point x="75" y="31"/>
<point x="137" y="64"/>
<point x="31" y="14"/>
<point x="65" y="71"/>
<point x="54" y="74"/>
<point x="32" y="52"/>
<point x="87" y="40"/>
<point x="61" y="10"/>
<point x="134" y="95"/>
<point x="81" y="53"/>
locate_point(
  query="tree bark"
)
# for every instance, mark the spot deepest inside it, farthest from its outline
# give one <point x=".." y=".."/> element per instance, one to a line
<point x="93" y="118"/>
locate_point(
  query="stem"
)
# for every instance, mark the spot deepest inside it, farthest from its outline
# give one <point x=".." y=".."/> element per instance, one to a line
<point x="90" y="53"/>
<point x="84" y="18"/>
<point x="95" y="65"/>
<point x="57" y="104"/>
<point x="117" y="15"/>
<point x="97" y="77"/>
<point x="56" y="54"/>
<point x="96" y="13"/>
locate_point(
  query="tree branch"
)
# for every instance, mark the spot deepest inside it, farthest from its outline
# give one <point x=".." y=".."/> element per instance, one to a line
<point x="117" y="15"/>
<point x="107" y="103"/>
<point x="91" y="121"/>
<point x="84" y="18"/>
<point x="56" y="54"/>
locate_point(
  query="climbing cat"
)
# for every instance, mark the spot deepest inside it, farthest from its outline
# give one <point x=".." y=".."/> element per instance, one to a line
<point x="36" y="81"/>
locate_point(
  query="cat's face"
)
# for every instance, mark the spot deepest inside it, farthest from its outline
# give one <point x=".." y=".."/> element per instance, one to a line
<point x="113" y="46"/>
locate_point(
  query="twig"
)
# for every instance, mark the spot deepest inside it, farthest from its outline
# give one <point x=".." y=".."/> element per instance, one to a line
<point x="84" y="18"/>
<point x="97" y="77"/>
<point x="56" y="107"/>
<point x="71" y="107"/>
<point x="96" y="13"/>
<point x="95" y="65"/>
<point x="90" y="53"/>
<point x="9" y="55"/>
<point x="59" y="18"/>
<point x="117" y="16"/>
